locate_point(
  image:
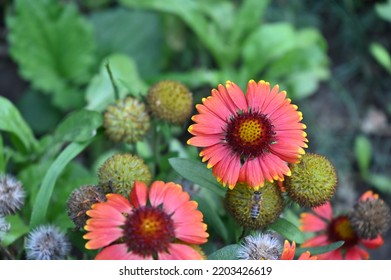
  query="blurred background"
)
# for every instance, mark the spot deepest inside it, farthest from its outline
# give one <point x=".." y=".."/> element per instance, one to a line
<point x="333" y="58"/>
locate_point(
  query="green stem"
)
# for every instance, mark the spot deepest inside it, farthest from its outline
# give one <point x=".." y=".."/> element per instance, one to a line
<point x="116" y="91"/>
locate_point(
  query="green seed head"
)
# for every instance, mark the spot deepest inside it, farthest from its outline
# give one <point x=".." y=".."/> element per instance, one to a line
<point x="118" y="173"/>
<point x="370" y="217"/>
<point x="313" y="181"/>
<point x="126" y="121"/>
<point x="254" y="209"/>
<point x="170" y="101"/>
<point x="81" y="200"/>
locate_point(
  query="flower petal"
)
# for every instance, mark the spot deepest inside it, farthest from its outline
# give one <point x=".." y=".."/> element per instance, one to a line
<point x="156" y="193"/>
<point x="325" y="211"/>
<point x="356" y="253"/>
<point x="288" y="252"/>
<point x="237" y="96"/>
<point x="138" y="195"/>
<point x="102" y="237"/>
<point x="180" y="252"/>
<point x="318" y="240"/>
<point x="368" y="195"/>
<point x="373" y="243"/>
<point x="174" y="197"/>
<point x="312" y="223"/>
<point x="119" y="252"/>
<point x="118" y="202"/>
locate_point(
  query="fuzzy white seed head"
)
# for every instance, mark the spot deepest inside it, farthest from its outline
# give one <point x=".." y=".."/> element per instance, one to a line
<point x="4" y="227"/>
<point x="12" y="195"/>
<point x="261" y="246"/>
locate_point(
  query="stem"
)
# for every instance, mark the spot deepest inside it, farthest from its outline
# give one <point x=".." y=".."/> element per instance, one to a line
<point x="4" y="251"/>
<point x="116" y="91"/>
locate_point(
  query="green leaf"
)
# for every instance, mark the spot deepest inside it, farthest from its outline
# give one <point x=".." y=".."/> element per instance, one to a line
<point x="11" y="121"/>
<point x="41" y="204"/>
<point x="320" y="249"/>
<point x="144" y="47"/>
<point x="18" y="229"/>
<point x="100" y="92"/>
<point x="381" y="55"/>
<point x="197" y="173"/>
<point x="79" y="126"/>
<point x="363" y="152"/>
<point x="288" y="230"/>
<point x="384" y="10"/>
<point x="53" y="46"/>
<point x="380" y="182"/>
<point x="226" y="253"/>
<point x="2" y="156"/>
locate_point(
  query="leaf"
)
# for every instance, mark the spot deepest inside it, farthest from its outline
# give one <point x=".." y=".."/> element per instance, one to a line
<point x="320" y="249"/>
<point x="197" y="173"/>
<point x="41" y="204"/>
<point x="2" y="156"/>
<point x="384" y="10"/>
<point x="11" y="121"/>
<point x="380" y="182"/>
<point x="363" y="152"/>
<point x="145" y="47"/>
<point x="17" y="230"/>
<point x="288" y="230"/>
<point x="381" y="55"/>
<point x="100" y="92"/>
<point x="79" y="126"/>
<point x="226" y="253"/>
<point x="53" y="46"/>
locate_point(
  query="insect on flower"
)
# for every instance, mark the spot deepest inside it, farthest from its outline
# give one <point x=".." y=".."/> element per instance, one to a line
<point x="255" y="204"/>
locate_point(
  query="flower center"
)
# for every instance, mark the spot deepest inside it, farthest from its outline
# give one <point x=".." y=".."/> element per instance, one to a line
<point x="148" y="230"/>
<point x="249" y="134"/>
<point x="340" y="229"/>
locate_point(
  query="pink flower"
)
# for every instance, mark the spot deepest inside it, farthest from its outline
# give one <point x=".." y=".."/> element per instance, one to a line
<point x="330" y="229"/>
<point x="159" y="223"/>
<point x="248" y="138"/>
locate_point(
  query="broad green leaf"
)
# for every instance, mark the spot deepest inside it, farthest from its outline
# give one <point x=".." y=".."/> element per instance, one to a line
<point x="145" y="47"/>
<point x="247" y="19"/>
<point x="79" y="126"/>
<point x="380" y="182"/>
<point x="197" y="173"/>
<point x="381" y="55"/>
<point x="384" y="10"/>
<point x="320" y="249"/>
<point x="192" y="14"/>
<point x="11" y="121"/>
<point x="100" y="92"/>
<point x="18" y="229"/>
<point x="229" y="252"/>
<point x="53" y="46"/>
<point x="39" y="211"/>
<point x="363" y="152"/>
<point x="288" y="230"/>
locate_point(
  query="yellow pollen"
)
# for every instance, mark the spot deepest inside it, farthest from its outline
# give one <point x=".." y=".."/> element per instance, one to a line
<point x="149" y="226"/>
<point x="344" y="230"/>
<point x="250" y="131"/>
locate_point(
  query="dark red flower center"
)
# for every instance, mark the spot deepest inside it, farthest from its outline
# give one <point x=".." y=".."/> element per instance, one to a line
<point x="340" y="229"/>
<point x="148" y="230"/>
<point x="249" y="134"/>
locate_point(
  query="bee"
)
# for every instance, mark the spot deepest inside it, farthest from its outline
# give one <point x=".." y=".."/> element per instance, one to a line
<point x="255" y="204"/>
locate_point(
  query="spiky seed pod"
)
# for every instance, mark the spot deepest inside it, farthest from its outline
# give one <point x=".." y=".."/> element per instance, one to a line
<point x="261" y="246"/>
<point x="313" y="181"/>
<point x="370" y="217"/>
<point x="118" y="173"/>
<point x="254" y="209"/>
<point x="12" y="195"/>
<point x="47" y="242"/>
<point x="170" y="101"/>
<point x="81" y="200"/>
<point x="126" y="121"/>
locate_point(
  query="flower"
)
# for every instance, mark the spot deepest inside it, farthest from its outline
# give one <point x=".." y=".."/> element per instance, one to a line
<point x="289" y="252"/>
<point x="12" y="195"/>
<point x="159" y="223"/>
<point x="330" y="229"/>
<point x="4" y="227"/>
<point x="47" y="242"/>
<point x="248" y="138"/>
<point x="261" y="246"/>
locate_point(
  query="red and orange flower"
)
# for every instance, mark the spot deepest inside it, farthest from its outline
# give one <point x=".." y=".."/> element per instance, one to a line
<point x="159" y="223"/>
<point x="248" y="138"/>
<point x="330" y="229"/>
<point x="288" y="252"/>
